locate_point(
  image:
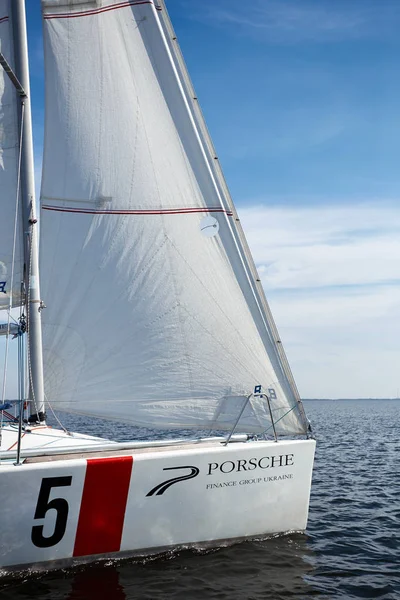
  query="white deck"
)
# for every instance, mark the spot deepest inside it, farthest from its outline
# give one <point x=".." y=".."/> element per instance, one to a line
<point x="42" y="437"/>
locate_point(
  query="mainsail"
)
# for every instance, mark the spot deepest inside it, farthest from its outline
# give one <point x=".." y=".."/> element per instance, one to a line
<point x="153" y="312"/>
<point x="9" y="153"/>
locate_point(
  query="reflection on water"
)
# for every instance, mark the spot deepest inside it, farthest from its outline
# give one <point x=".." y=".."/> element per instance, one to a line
<point x="97" y="583"/>
<point x="267" y="569"/>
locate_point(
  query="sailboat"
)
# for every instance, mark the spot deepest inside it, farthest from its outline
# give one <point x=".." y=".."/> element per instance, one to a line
<point x="149" y="310"/>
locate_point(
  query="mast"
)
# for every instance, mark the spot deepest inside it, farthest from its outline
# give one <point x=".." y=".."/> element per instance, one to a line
<point x="30" y="225"/>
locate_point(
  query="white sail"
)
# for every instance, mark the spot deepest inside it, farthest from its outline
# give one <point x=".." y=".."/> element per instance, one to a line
<point x="215" y="167"/>
<point x="9" y="152"/>
<point x="152" y="315"/>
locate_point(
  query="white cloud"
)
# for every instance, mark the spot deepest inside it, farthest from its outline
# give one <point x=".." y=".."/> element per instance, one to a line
<point x="293" y="22"/>
<point x="328" y="245"/>
<point x="332" y="275"/>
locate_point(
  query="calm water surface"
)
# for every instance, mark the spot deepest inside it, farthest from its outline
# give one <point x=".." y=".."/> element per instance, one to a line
<point x="351" y="550"/>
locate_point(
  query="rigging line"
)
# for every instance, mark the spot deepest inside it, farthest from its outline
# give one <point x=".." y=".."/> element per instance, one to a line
<point x="201" y="133"/>
<point x="11" y="75"/>
<point x="22" y="357"/>
<point x="28" y="321"/>
<point x="280" y="418"/>
<point x="20" y="376"/>
<point x="228" y="202"/>
<point x="55" y="416"/>
<point x="13" y="258"/>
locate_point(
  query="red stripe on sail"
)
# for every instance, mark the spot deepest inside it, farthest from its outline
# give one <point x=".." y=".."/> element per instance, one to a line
<point x="102" y="513"/>
<point x="97" y="11"/>
<point x="165" y="211"/>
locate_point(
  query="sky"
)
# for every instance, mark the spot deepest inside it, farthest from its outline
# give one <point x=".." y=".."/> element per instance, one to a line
<point x="302" y="101"/>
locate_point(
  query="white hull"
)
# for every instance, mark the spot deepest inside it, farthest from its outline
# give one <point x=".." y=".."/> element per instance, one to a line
<point x="78" y="508"/>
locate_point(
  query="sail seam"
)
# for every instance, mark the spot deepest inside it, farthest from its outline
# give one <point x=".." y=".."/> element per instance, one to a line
<point x="249" y="349"/>
<point x="166" y="211"/>
<point x="98" y="11"/>
<point x="3" y="19"/>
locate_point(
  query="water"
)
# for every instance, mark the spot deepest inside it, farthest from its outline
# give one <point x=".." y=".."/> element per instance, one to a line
<point x="351" y="549"/>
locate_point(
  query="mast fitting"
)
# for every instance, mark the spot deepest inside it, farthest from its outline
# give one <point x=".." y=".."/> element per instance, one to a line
<point x="13" y="78"/>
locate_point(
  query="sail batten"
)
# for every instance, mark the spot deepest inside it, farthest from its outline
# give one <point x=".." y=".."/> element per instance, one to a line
<point x="152" y="315"/>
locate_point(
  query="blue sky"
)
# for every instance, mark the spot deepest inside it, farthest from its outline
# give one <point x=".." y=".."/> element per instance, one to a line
<point x="301" y="95"/>
<point x="302" y="100"/>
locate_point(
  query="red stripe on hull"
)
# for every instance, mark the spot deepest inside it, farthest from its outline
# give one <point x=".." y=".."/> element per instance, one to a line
<point x="102" y="513"/>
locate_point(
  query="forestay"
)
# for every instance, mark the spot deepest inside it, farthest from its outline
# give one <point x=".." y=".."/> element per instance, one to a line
<point x="152" y="315"/>
<point x="9" y="152"/>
